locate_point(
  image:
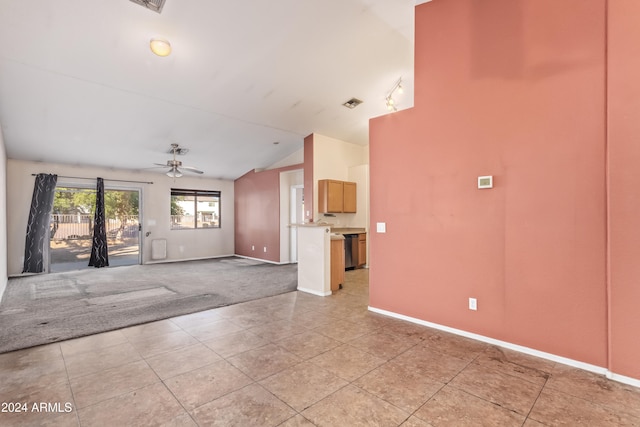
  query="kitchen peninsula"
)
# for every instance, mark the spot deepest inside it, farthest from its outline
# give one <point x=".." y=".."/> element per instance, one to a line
<point x="314" y="258"/>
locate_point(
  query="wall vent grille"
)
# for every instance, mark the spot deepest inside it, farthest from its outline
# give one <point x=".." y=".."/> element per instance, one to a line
<point x="155" y="5"/>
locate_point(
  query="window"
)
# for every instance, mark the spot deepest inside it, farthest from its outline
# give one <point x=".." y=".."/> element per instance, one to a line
<point x="194" y="209"/>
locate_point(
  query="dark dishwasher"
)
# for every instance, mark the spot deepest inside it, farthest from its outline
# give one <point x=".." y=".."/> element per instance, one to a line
<point x="350" y="251"/>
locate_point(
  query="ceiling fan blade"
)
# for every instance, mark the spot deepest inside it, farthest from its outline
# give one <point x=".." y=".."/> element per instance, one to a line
<point x="175" y="166"/>
<point x="155" y="167"/>
<point x="191" y="169"/>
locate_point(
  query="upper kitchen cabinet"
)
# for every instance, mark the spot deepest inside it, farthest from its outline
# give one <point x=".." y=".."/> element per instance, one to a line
<point x="336" y="196"/>
<point x="349" y="197"/>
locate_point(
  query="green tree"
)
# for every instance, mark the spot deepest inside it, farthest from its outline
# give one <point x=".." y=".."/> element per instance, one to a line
<point x="74" y="201"/>
<point x="176" y="209"/>
<point x="119" y="204"/>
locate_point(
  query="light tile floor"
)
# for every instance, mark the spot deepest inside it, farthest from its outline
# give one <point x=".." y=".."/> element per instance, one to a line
<point x="299" y="360"/>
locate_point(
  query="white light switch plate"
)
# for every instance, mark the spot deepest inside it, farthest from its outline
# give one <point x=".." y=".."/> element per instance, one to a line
<point x="381" y="227"/>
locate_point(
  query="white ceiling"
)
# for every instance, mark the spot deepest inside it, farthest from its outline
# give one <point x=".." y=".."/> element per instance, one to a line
<point x="79" y="85"/>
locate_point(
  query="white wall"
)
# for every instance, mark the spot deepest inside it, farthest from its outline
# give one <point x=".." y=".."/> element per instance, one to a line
<point x="155" y="212"/>
<point x="3" y="216"/>
<point x="360" y="174"/>
<point x="335" y="159"/>
<point x="293" y="159"/>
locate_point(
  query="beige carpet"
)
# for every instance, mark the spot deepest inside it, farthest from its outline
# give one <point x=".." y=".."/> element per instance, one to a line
<point x="53" y="307"/>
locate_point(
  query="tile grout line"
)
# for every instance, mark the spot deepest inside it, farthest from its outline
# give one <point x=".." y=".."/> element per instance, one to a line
<point x="73" y="396"/>
<point x="413" y="414"/>
<point x="180" y="403"/>
<point x="535" y="401"/>
<point x="489" y="401"/>
<point x="142" y="359"/>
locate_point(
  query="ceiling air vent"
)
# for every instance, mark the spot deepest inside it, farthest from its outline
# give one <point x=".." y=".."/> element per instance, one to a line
<point x="352" y="103"/>
<point x="155" y="5"/>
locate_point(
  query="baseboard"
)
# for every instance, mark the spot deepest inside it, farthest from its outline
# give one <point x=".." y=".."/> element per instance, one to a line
<point x="311" y="291"/>
<point x="17" y="275"/>
<point x="3" y="286"/>
<point x="263" y="260"/>
<point x="623" y="379"/>
<point x="526" y="350"/>
<point x="164" y="261"/>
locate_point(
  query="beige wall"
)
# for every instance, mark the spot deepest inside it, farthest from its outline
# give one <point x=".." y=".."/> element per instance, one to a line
<point x="155" y="209"/>
<point x="336" y="159"/>
<point x="3" y="216"/>
<point x="292" y="159"/>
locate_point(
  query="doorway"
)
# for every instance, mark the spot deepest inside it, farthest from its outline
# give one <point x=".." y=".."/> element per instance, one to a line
<point x="72" y="221"/>
<point x="296" y="216"/>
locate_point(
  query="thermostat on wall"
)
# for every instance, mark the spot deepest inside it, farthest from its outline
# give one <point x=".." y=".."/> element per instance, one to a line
<point x="485" y="181"/>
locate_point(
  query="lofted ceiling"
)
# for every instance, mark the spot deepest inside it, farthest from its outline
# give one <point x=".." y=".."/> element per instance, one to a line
<point x="79" y="84"/>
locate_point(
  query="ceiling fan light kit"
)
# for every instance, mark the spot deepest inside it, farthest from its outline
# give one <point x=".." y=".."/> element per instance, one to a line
<point x="174" y="173"/>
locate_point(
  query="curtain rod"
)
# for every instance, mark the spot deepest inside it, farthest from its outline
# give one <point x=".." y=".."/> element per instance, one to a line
<point x="106" y="179"/>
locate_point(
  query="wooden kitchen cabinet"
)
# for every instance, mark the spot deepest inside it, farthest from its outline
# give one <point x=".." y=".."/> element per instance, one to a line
<point x="337" y="263"/>
<point x="349" y="197"/>
<point x="330" y="196"/>
<point x="362" y="249"/>
<point x="336" y="196"/>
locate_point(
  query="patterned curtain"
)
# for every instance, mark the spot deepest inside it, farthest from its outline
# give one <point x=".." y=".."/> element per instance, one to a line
<point x="99" y="251"/>
<point x="36" y="247"/>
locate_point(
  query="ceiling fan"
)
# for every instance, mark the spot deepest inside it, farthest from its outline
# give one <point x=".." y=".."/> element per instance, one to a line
<point x="175" y="166"/>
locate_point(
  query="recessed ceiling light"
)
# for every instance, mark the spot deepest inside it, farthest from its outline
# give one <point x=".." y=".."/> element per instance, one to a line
<point x="352" y="103"/>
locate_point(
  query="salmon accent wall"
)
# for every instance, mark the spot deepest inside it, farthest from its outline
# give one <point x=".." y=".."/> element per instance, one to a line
<point x="624" y="184"/>
<point x="257" y="213"/>
<point x="514" y="89"/>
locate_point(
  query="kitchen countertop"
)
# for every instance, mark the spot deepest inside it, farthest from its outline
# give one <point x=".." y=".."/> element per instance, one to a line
<point x="334" y="230"/>
<point x="348" y="230"/>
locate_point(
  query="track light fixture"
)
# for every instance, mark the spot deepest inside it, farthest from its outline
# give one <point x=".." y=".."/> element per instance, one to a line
<point x="389" y="101"/>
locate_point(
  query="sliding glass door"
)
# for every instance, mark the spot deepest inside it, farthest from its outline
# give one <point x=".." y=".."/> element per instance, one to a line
<point x="72" y="227"/>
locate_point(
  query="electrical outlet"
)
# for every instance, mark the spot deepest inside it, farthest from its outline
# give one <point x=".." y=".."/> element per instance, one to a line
<point x="265" y="249"/>
<point x="253" y="248"/>
<point x="473" y="304"/>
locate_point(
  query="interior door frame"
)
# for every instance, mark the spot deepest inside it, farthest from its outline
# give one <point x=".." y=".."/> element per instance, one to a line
<point x="294" y="218"/>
